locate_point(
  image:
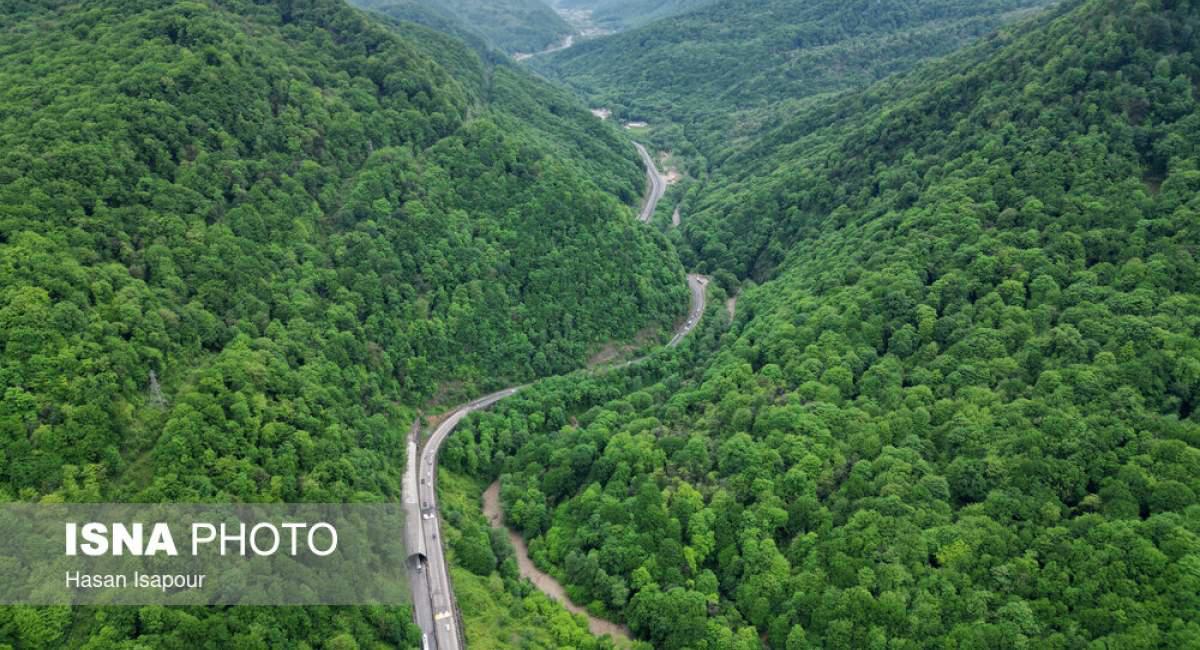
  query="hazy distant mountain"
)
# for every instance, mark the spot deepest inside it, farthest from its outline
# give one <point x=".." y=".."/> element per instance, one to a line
<point x="622" y="14"/>
<point x="510" y="25"/>
<point x="741" y="55"/>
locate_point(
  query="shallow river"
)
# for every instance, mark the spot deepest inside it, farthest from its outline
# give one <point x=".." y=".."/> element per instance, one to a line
<point x="541" y="579"/>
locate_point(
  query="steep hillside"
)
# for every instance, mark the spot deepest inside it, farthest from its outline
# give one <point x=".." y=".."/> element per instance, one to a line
<point x="240" y="241"/>
<point x="963" y="413"/>
<point x="434" y="16"/>
<point x="510" y="25"/>
<point x="720" y="72"/>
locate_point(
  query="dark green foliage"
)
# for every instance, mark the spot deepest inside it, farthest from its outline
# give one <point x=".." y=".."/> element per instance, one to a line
<point x="536" y="109"/>
<point x="474" y="550"/>
<point x="434" y="17"/>
<point x="982" y="123"/>
<point x="960" y="412"/>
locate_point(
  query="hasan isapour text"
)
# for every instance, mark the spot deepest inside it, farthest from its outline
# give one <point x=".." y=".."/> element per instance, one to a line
<point x="138" y="580"/>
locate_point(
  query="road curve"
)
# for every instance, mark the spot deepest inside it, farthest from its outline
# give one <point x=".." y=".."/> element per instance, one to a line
<point x="565" y="43"/>
<point x="433" y="600"/>
<point x="697" y="283"/>
<point x="658" y="184"/>
<point x="434" y="608"/>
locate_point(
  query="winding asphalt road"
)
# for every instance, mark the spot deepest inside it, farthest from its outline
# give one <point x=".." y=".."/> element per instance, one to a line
<point x="658" y="184"/>
<point x="565" y="43"/>
<point x="697" y="283"/>
<point x="434" y="608"/>
<point x="441" y="626"/>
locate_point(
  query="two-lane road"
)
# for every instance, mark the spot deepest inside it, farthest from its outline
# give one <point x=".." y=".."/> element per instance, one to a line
<point x="658" y="184"/>
<point x="447" y="634"/>
<point x="433" y="600"/>
<point x="414" y="538"/>
<point x="697" y="283"/>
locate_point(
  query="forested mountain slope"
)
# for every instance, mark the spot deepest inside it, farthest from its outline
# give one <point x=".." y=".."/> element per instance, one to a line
<point x="527" y="104"/>
<point x="510" y="25"/>
<point x="963" y="413"/>
<point x="434" y="16"/>
<point x="721" y="70"/>
<point x="239" y="241"/>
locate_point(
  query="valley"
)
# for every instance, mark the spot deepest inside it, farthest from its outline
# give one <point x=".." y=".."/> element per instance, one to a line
<point x="656" y="185"/>
<point x="738" y="324"/>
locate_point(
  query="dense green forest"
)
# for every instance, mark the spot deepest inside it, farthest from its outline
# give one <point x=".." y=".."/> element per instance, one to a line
<point x="435" y="17"/>
<point x="510" y="25"/>
<point x="241" y="241"/>
<point x="723" y="72"/>
<point x="958" y="404"/>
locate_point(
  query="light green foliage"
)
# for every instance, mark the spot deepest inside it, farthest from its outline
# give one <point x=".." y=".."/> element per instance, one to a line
<point x="290" y="260"/>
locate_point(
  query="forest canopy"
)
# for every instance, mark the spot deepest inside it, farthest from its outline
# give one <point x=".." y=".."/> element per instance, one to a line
<point x="621" y="14"/>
